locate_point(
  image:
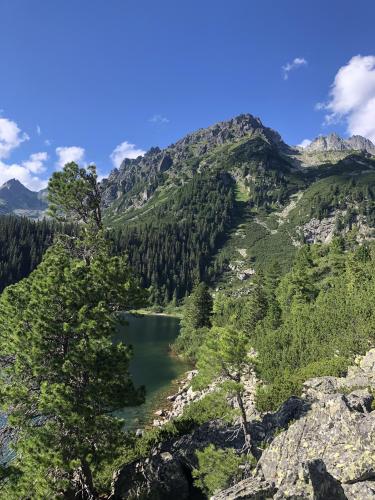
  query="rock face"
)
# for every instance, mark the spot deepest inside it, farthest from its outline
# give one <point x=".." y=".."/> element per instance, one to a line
<point x="333" y="142"/>
<point x="322" y="231"/>
<point x="166" y="473"/>
<point x="325" y="450"/>
<point x="126" y="184"/>
<point x="328" y="453"/>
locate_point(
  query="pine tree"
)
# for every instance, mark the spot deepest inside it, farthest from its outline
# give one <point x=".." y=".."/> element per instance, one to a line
<point x="198" y="309"/>
<point x="195" y="322"/>
<point x="62" y="375"/>
<point x="255" y="307"/>
<point x="224" y="355"/>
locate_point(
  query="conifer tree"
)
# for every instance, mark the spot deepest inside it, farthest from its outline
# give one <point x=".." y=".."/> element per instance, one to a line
<point x="198" y="309"/>
<point x="224" y="355"/>
<point x="195" y="322"/>
<point x="62" y="377"/>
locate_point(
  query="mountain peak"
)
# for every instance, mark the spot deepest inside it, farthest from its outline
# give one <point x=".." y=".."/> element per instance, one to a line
<point x="15" y="196"/>
<point x="333" y="142"/>
<point x="12" y="183"/>
<point x="230" y="130"/>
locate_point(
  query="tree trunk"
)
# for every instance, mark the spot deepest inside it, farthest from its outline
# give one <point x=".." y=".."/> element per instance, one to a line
<point x="86" y="484"/>
<point x="244" y="421"/>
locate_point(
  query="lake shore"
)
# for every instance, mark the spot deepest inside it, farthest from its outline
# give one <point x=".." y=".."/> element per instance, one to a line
<point x="150" y="312"/>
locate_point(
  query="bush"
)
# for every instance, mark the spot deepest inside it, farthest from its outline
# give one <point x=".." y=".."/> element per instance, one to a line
<point x="218" y="468"/>
<point x="270" y="397"/>
<point x="212" y="406"/>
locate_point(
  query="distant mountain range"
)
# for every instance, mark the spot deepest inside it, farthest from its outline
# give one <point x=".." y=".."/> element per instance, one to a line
<point x="134" y="183"/>
<point x="17" y="199"/>
<point x="333" y="142"/>
<point x="226" y="199"/>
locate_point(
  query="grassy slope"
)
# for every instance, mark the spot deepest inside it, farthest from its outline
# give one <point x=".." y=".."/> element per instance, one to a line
<point x="259" y="236"/>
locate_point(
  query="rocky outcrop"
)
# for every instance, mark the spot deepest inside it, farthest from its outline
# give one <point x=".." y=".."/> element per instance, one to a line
<point x="318" y="447"/>
<point x="329" y="452"/>
<point x="187" y="395"/>
<point x="167" y="471"/>
<point x="333" y="142"/>
<point x="323" y="230"/>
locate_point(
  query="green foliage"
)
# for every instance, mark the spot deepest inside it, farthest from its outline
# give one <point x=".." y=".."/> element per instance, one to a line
<point x="196" y="321"/>
<point x="22" y="245"/>
<point x="198" y="308"/>
<point x="218" y="469"/>
<point x="224" y="355"/>
<point x="270" y="397"/>
<point x="171" y="245"/>
<point x="62" y="376"/>
<point x="211" y="407"/>
<point x="327" y="309"/>
<point x="74" y="195"/>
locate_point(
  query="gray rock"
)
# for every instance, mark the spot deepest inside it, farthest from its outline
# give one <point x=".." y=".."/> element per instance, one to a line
<point x="329" y="451"/>
<point x="329" y="448"/>
<point x="326" y="450"/>
<point x="150" y="476"/>
<point x="161" y="478"/>
<point x="253" y="488"/>
<point x="333" y="142"/>
<point x="364" y="490"/>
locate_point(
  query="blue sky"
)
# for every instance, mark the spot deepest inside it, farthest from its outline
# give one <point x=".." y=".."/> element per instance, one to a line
<point x="82" y="78"/>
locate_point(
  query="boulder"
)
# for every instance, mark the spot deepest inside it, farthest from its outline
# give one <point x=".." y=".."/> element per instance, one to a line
<point x="327" y="453"/>
<point x="172" y="461"/>
<point x="160" y="478"/>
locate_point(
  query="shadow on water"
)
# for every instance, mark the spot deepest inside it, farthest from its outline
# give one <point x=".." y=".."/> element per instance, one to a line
<point x="152" y="365"/>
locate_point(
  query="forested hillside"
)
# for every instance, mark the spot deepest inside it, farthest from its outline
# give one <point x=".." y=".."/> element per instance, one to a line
<point x="171" y="246"/>
<point x="170" y="216"/>
<point x="272" y="370"/>
<point x="225" y="201"/>
<point x="22" y="245"/>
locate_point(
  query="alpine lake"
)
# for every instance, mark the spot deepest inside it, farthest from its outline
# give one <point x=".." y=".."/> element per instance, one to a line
<point x="152" y="365"/>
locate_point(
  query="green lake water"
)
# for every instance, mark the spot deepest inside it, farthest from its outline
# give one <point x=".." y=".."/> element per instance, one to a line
<point x="152" y="365"/>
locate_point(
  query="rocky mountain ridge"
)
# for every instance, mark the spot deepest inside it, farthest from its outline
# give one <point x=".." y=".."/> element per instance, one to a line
<point x="334" y="142"/>
<point x="139" y="181"/>
<point x="134" y="183"/>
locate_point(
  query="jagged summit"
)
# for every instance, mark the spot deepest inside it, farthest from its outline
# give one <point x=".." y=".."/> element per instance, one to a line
<point x="184" y="156"/>
<point x="15" y="197"/>
<point x="13" y="184"/>
<point x="229" y="130"/>
<point x="334" y="142"/>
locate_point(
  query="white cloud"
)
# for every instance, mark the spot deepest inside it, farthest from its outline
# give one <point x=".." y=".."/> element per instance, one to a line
<point x="304" y="143"/>
<point x="68" y="154"/>
<point x="25" y="172"/>
<point x="35" y="163"/>
<point x="296" y="63"/>
<point x="10" y="137"/>
<point x="125" y="150"/>
<point x="352" y="97"/>
<point x="158" y="119"/>
<point x="47" y="142"/>
<point x="38" y="130"/>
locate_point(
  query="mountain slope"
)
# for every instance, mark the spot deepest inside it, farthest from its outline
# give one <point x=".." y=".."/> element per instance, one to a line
<point x="281" y="197"/>
<point x="16" y="198"/>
